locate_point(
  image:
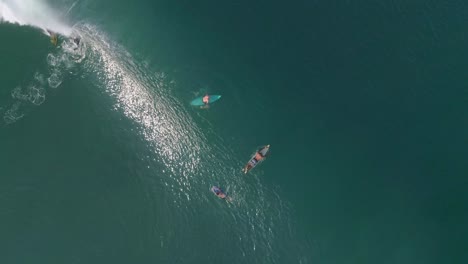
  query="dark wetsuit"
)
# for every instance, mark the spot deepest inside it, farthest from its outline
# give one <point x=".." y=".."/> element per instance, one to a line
<point x="259" y="153"/>
<point x="77" y="40"/>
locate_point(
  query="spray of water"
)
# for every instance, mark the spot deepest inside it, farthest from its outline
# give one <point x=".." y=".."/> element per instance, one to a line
<point x="34" y="13"/>
<point x="61" y="61"/>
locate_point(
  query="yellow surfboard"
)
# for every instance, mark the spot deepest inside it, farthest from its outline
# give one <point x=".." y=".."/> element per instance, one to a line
<point x="53" y="39"/>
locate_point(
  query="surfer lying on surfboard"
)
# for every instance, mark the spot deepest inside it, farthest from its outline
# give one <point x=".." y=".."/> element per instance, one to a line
<point x="205" y="100"/>
<point x="259" y="156"/>
<point x="218" y="192"/>
<point x="221" y="194"/>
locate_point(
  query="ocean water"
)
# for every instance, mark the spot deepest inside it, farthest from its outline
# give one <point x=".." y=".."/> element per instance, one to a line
<point x="103" y="160"/>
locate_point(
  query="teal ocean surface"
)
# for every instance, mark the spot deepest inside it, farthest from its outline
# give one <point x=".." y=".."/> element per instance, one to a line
<point x="104" y="160"/>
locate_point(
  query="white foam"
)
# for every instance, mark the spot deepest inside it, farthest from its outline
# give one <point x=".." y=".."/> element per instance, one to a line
<point x="34" y="13"/>
<point x="55" y="79"/>
<point x="12" y="115"/>
<point x="52" y="60"/>
<point x="36" y="94"/>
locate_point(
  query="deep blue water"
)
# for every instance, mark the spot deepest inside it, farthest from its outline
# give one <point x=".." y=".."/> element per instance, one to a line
<point x="103" y="160"/>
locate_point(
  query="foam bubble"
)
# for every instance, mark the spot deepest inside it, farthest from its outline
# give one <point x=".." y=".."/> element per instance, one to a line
<point x="55" y="79"/>
<point x="17" y="93"/>
<point x="52" y="60"/>
<point x="39" y="78"/>
<point x="36" y="95"/>
<point x="12" y="114"/>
